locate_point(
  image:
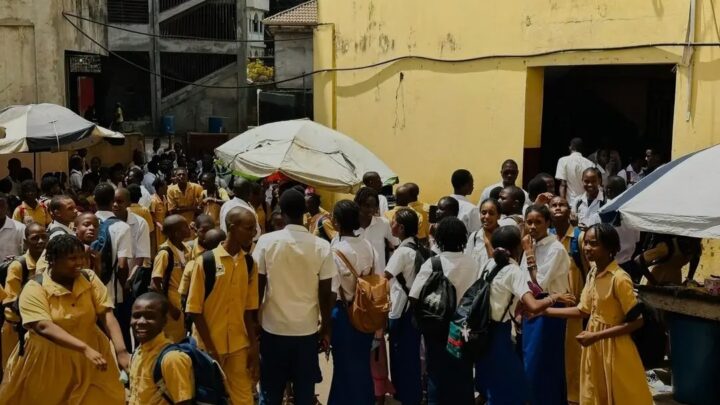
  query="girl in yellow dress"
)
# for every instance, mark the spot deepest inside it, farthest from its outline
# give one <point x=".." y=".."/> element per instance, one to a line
<point x="67" y="359"/>
<point x="158" y="211"/>
<point x="611" y="372"/>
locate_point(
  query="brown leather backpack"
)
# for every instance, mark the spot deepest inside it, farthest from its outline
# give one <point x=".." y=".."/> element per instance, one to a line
<point x="369" y="310"/>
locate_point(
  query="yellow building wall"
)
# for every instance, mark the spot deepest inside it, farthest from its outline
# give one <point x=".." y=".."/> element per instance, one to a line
<point x="426" y="118"/>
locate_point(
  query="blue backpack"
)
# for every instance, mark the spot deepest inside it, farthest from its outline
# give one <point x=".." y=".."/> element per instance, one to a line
<point x="208" y="376"/>
<point x="575" y="250"/>
<point x="103" y="244"/>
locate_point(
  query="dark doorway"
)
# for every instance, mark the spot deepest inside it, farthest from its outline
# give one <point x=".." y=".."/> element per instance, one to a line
<point x="627" y="108"/>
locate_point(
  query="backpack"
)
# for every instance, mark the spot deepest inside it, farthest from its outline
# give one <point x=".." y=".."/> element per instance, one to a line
<point x="469" y="332"/>
<point x="142" y="277"/>
<point x="651" y="339"/>
<point x="208" y="377"/>
<point x="4" y="267"/>
<point x="436" y="304"/>
<point x="575" y="251"/>
<point x="369" y="309"/>
<point x="103" y="244"/>
<point x="422" y="254"/>
<point x="56" y="230"/>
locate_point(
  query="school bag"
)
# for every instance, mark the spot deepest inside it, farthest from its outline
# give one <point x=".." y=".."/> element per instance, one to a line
<point x="575" y="250"/>
<point x="208" y="377"/>
<point x="4" y="267"/>
<point x="651" y="339"/>
<point x="142" y="277"/>
<point x="470" y="328"/>
<point x="370" y="307"/>
<point x="56" y="230"/>
<point x="421" y="255"/>
<point x="103" y="244"/>
<point x="436" y="303"/>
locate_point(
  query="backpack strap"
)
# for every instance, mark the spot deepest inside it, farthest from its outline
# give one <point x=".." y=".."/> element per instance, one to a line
<point x="168" y="268"/>
<point x="249" y="263"/>
<point x="436" y="264"/>
<point x="575" y="251"/>
<point x="209" y="267"/>
<point x="55" y="230"/>
<point x="157" y="371"/>
<point x="25" y="274"/>
<point x="578" y="203"/>
<point x="340" y="255"/>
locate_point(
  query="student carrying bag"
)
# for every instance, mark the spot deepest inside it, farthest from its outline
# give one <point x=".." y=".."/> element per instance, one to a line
<point x="436" y="304"/>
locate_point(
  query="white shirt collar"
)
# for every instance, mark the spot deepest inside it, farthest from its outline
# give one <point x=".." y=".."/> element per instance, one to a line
<point x="576" y="154"/>
<point x="599" y="197"/>
<point x="296" y="228"/>
<point x="459" y="197"/>
<point x="8" y="223"/>
<point x="56" y="224"/>
<point x="546" y="240"/>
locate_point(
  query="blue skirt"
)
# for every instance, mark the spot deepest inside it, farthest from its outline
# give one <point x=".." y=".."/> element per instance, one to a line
<point x="544" y="358"/>
<point x="499" y="375"/>
<point x="352" y="382"/>
<point x="405" y="368"/>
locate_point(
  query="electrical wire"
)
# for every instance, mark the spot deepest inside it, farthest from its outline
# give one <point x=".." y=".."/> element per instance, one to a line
<point x="104" y="24"/>
<point x="406" y="57"/>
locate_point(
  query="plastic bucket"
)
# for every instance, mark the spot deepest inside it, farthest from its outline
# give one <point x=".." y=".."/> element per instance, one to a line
<point x="168" y="124"/>
<point x="695" y="359"/>
<point x="215" y="125"/>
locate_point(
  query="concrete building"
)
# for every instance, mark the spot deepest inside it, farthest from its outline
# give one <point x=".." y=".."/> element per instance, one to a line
<point x="292" y="31"/>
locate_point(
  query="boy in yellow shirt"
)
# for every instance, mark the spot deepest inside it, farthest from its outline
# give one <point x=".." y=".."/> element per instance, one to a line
<point x="213" y="197"/>
<point x="213" y="238"/>
<point x="184" y="197"/>
<point x="167" y="281"/>
<point x="199" y="226"/>
<point x="149" y="318"/>
<point x="224" y="317"/>
<point x="31" y="210"/>
<point x="422" y="209"/>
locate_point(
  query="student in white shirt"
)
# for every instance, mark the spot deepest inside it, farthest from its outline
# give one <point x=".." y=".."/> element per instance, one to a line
<point x="121" y="241"/>
<point x="512" y="201"/>
<point x="138" y="228"/>
<point x="352" y="381"/>
<point x="543" y="338"/>
<point x="589" y="203"/>
<point x="242" y="190"/>
<point x="446" y="207"/>
<point x="373" y="228"/>
<point x="500" y="373"/>
<point x="463" y="185"/>
<point x="372" y="180"/>
<point x="76" y="175"/>
<point x="296" y="270"/>
<point x="450" y="379"/>
<point x="63" y="212"/>
<point x="570" y="169"/>
<point x="478" y="244"/>
<point x="405" y="367"/>
<point x="12" y="233"/>
<point x="509" y="173"/>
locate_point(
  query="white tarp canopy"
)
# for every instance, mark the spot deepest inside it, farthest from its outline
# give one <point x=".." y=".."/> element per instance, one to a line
<point x="678" y="198"/>
<point x="47" y="127"/>
<point x="304" y="151"/>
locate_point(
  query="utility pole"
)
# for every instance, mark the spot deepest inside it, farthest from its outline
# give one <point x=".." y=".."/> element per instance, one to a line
<point x="155" y="80"/>
<point x="242" y="98"/>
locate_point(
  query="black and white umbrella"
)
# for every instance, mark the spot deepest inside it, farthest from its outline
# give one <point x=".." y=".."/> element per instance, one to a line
<point x="48" y="127"/>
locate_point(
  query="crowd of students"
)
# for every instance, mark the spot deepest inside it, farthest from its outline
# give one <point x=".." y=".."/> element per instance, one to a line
<point x="267" y="279"/>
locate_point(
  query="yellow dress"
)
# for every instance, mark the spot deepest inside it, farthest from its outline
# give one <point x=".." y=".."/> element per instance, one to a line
<point x="611" y="371"/>
<point x="12" y="289"/>
<point x="50" y="374"/>
<point x="158" y="210"/>
<point x="175" y="328"/>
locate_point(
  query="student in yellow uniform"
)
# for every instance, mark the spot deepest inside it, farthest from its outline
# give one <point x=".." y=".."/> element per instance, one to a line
<point x="571" y="237"/>
<point x="17" y="276"/>
<point x="158" y="209"/>
<point x="142" y="212"/>
<point x="423" y="210"/>
<point x="184" y="198"/>
<point x="31" y="210"/>
<point x="213" y="197"/>
<point x="213" y="238"/>
<point x="149" y="318"/>
<point x="257" y="200"/>
<point x="317" y="220"/>
<point x="611" y="370"/>
<point x="402" y="200"/>
<point x="67" y="359"/>
<point x="176" y="229"/>
<point x="224" y="322"/>
<point x="199" y="226"/>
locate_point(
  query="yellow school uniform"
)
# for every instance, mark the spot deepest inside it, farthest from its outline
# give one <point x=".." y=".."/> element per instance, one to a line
<point x="158" y="211"/>
<point x="175" y="328"/>
<point x="312" y="223"/>
<point x="186" y="277"/>
<point x="573" y="327"/>
<point x="235" y="291"/>
<point x="143" y="212"/>
<point x="261" y="217"/>
<point x="611" y="370"/>
<point x="25" y="214"/>
<point x="51" y="374"/>
<point x="213" y="208"/>
<point x="176" y="371"/>
<point x="424" y="213"/>
<point x="12" y="289"/>
<point x="191" y="198"/>
<point x="195" y="248"/>
<point x="390" y="215"/>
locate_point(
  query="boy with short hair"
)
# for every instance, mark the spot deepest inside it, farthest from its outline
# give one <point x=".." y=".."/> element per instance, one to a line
<point x="201" y="225"/>
<point x="148" y="320"/>
<point x="176" y="230"/>
<point x="63" y="212"/>
<point x="512" y="200"/>
<point x="463" y="185"/>
<point x="184" y="197"/>
<point x="212" y="239"/>
<point x="30" y="209"/>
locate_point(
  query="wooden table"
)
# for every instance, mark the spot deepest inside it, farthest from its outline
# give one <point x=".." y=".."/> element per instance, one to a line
<point x="682" y="300"/>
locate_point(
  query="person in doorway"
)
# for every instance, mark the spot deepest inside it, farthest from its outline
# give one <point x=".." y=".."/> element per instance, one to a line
<point x="30" y="209"/>
<point x="611" y="370"/>
<point x="317" y="220"/>
<point x="509" y="173"/>
<point x="184" y="198"/>
<point x="570" y="170"/>
<point x="373" y="181"/>
<point x="463" y="185"/>
<point x="654" y="159"/>
<point x="543" y="339"/>
<point x="588" y="205"/>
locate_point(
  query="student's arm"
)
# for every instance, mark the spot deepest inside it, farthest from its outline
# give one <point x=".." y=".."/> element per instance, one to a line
<point x="111" y="325"/>
<point x="176" y="369"/>
<point x="326" y="297"/>
<point x="587" y="338"/>
<point x="204" y="332"/>
<point x="125" y="255"/>
<point x="570" y="312"/>
<point x="195" y="306"/>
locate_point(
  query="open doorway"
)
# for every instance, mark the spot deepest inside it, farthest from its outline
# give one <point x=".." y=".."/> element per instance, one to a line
<point x="627" y="108"/>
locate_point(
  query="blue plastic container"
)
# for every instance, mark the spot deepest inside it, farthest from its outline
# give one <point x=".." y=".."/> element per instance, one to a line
<point x="168" y="124"/>
<point x="215" y="125"/>
<point x="695" y="359"/>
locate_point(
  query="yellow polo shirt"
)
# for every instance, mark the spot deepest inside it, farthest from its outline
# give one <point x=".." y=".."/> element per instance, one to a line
<point x="235" y="292"/>
<point x="158" y="210"/>
<point x="175" y="328"/>
<point x="423" y="225"/>
<point x="24" y="213"/>
<point x="143" y="212"/>
<point x="176" y="371"/>
<point x="191" y="198"/>
<point x="424" y="213"/>
<point x="213" y="208"/>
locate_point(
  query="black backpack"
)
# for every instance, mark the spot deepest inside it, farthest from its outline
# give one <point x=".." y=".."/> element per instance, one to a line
<point x="469" y="334"/>
<point x="436" y="304"/>
<point x="651" y="339"/>
<point x="421" y="255"/>
<point x="142" y="277"/>
<point x="4" y="267"/>
<point x="103" y="244"/>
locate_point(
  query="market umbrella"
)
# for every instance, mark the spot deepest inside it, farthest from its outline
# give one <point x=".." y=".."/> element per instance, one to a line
<point x="304" y="151"/>
<point x="47" y="127"/>
<point x="679" y="198"/>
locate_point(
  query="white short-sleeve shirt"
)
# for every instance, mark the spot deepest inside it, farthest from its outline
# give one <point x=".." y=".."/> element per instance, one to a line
<point x="459" y="268"/>
<point x="383" y="202"/>
<point x="587" y="214"/>
<point x="476" y="248"/>
<point x="121" y="241"/>
<point x="57" y="225"/>
<point x="510" y="283"/>
<point x="360" y="253"/>
<point x="553" y="265"/>
<point x="468" y="213"/>
<point x="402" y="262"/>
<point x="377" y="233"/>
<point x="294" y="261"/>
<point x="12" y="235"/>
<point x="140" y="235"/>
<point x="570" y="168"/>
